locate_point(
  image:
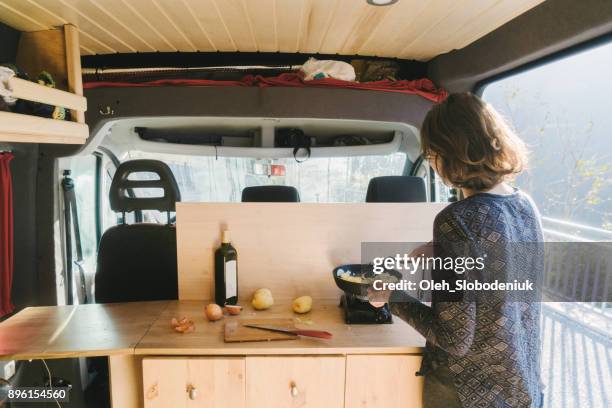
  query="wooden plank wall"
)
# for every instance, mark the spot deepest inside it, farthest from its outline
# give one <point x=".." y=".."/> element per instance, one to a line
<point x="287" y="247"/>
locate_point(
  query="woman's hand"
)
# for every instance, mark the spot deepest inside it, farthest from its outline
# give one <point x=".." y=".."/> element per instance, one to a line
<point x="426" y="250"/>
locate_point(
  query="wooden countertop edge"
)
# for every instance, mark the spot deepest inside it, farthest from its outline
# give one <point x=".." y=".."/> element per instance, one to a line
<point x="50" y="355"/>
<point x="218" y="351"/>
<point x="246" y="351"/>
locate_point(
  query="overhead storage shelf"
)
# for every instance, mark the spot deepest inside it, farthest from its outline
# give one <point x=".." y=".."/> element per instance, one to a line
<point x="32" y="91"/>
<point x="15" y="127"/>
<point x="55" y="51"/>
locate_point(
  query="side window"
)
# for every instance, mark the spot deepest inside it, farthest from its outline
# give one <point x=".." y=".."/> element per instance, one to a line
<point x="83" y="174"/>
<point x="561" y="109"/>
<point x="437" y="191"/>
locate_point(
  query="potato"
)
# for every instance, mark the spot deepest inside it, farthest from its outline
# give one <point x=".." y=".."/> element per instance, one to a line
<point x="262" y="291"/>
<point x="262" y="299"/>
<point x="303" y="304"/>
<point x="262" y="302"/>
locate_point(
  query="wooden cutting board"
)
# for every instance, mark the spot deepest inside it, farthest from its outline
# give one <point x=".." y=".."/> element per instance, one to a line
<point x="235" y="331"/>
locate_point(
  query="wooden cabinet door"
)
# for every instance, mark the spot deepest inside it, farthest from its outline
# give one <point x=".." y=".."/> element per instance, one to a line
<point x="291" y="382"/>
<point x="378" y="381"/>
<point x="194" y="382"/>
<point x="164" y="382"/>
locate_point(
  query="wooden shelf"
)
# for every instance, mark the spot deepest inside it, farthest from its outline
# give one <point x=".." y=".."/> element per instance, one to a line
<point x="35" y="92"/>
<point x="15" y="127"/>
<point x="55" y="51"/>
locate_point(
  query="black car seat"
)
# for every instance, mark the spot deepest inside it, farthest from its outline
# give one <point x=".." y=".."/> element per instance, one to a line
<point x="137" y="262"/>
<point x="396" y="189"/>
<point x="270" y="194"/>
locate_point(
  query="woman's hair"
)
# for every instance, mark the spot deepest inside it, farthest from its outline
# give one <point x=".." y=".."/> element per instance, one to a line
<point x="473" y="146"/>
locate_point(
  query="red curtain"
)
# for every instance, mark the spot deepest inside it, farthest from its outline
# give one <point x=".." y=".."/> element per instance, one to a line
<point x="6" y="234"/>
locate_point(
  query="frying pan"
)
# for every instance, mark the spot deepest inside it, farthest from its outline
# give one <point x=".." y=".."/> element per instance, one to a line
<point x="360" y="270"/>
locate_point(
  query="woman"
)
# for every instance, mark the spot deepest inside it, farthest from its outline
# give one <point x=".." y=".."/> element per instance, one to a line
<point x="482" y="348"/>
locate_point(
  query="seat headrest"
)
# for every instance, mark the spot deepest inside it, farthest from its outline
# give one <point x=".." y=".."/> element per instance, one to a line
<point x="270" y="194"/>
<point x="118" y="195"/>
<point x="396" y="189"/>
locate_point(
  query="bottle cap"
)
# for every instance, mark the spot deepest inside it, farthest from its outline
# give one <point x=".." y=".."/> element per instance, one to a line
<point x="226" y="237"/>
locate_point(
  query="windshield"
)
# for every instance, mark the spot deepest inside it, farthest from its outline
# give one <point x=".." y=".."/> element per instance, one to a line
<point x="326" y="180"/>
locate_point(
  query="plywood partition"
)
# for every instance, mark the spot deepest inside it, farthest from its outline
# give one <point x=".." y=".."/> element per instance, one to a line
<point x="289" y="248"/>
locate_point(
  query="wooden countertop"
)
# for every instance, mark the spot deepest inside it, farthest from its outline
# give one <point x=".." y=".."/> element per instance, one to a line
<point x="396" y="338"/>
<point x="144" y="328"/>
<point x="77" y="331"/>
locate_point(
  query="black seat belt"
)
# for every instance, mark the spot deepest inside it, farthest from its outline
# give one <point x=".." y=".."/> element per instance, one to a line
<point x="71" y="218"/>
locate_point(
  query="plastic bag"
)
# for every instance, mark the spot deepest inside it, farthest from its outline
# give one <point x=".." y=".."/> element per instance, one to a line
<point x="318" y="69"/>
<point x="5" y="91"/>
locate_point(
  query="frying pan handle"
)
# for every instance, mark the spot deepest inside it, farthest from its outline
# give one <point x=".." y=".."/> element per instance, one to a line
<point x="313" y="333"/>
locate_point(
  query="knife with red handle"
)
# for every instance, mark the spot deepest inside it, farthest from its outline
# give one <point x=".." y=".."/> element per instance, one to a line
<point x="296" y="332"/>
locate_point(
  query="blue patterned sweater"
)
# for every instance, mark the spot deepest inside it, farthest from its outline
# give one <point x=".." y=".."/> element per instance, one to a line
<point x="490" y="343"/>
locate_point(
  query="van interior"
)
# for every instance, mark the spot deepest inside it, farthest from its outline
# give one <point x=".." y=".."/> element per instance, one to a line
<point x="134" y="133"/>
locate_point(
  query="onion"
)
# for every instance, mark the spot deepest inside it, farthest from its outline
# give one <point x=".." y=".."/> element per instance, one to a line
<point x="233" y="309"/>
<point x="214" y="312"/>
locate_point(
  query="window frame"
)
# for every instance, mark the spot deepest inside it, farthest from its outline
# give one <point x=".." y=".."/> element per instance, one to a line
<point x="480" y="86"/>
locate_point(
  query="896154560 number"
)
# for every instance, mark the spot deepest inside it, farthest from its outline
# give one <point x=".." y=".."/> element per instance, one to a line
<point x="36" y="394"/>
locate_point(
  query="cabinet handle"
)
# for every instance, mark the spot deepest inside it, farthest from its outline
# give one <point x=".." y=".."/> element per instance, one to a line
<point x="192" y="392"/>
<point x="294" y="390"/>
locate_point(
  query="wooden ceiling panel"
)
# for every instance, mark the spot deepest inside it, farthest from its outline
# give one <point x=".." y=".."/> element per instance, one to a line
<point x="366" y="27"/>
<point x="181" y="17"/>
<point x="319" y="17"/>
<point x="156" y="13"/>
<point x="104" y="16"/>
<point x="89" y="45"/>
<point x="397" y="25"/>
<point x="424" y="18"/>
<point x="433" y="40"/>
<point x="347" y="13"/>
<point x="125" y="12"/>
<point x="31" y="14"/>
<point x="262" y="15"/>
<point x="291" y="21"/>
<point x="410" y="29"/>
<point x="235" y="17"/>
<point x="10" y="14"/>
<point x="208" y="15"/>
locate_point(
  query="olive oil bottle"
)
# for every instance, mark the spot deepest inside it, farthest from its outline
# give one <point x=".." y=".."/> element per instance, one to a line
<point x="226" y="272"/>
